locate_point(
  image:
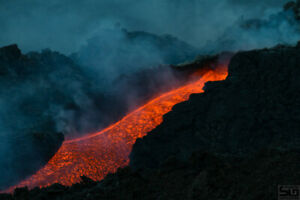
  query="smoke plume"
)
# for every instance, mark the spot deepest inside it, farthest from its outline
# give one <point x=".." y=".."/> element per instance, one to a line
<point x="65" y="25"/>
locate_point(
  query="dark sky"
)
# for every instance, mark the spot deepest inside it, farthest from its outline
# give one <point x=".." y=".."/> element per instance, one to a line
<point x="64" y="25"/>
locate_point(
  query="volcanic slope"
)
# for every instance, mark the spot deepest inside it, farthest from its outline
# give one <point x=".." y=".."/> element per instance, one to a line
<point x="259" y="102"/>
<point x="256" y="107"/>
<point x="101" y="153"/>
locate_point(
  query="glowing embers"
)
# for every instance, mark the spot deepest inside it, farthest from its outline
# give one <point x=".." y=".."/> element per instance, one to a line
<point x="97" y="154"/>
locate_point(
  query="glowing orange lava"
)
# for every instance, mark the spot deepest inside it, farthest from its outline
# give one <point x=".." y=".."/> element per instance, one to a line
<point x="98" y="154"/>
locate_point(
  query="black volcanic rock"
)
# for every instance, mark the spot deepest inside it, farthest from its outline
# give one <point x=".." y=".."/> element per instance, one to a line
<point x="10" y="52"/>
<point x="202" y="176"/>
<point x="256" y="107"/>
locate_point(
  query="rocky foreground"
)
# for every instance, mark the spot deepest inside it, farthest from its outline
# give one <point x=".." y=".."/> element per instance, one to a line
<point x="238" y="140"/>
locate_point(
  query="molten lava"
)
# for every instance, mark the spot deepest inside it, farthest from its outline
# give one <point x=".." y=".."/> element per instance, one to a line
<point x="101" y="153"/>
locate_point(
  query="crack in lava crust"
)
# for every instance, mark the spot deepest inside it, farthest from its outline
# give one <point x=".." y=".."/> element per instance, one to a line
<point x="101" y="153"/>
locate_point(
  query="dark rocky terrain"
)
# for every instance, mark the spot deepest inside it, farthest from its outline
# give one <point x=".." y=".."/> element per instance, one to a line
<point x="203" y="176"/>
<point x="238" y="140"/>
<point x="256" y="107"/>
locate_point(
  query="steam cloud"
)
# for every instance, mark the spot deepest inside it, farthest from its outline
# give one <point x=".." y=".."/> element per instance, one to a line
<point x="65" y="25"/>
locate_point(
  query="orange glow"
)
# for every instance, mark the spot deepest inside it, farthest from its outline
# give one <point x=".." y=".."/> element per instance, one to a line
<point x="101" y="153"/>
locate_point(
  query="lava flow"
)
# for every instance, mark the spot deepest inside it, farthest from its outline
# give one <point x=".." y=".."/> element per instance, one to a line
<point x="101" y="153"/>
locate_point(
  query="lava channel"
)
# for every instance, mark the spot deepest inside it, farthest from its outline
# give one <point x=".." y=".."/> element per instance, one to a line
<point x="104" y="152"/>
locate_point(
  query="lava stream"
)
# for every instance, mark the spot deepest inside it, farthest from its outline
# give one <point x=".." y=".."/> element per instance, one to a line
<point x="101" y="153"/>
